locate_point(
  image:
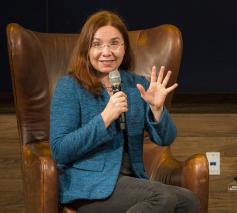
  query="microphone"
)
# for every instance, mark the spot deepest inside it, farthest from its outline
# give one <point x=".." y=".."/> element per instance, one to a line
<point x="115" y="80"/>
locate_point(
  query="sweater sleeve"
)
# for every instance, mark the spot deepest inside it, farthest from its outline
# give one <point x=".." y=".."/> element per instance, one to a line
<point x="69" y="140"/>
<point x="162" y="132"/>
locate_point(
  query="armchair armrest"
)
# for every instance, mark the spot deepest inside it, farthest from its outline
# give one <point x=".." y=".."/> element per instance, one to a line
<point x="192" y="174"/>
<point x="40" y="178"/>
<point x="160" y="164"/>
<point x="195" y="176"/>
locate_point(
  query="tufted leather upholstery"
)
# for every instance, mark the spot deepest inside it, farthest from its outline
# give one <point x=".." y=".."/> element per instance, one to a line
<point x="37" y="61"/>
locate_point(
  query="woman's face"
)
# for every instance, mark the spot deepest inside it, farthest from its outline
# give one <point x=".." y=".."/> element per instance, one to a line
<point x="107" y="49"/>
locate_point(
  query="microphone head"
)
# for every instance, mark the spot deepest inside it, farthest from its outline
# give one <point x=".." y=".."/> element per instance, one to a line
<point x="115" y="78"/>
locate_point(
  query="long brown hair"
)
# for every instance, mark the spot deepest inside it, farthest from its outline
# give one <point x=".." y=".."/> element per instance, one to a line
<point x="80" y="65"/>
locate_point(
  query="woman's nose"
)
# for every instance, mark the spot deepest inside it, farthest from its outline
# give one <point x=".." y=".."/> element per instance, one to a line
<point x="106" y="50"/>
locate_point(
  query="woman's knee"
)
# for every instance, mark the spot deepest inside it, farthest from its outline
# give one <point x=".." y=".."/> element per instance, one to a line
<point x="165" y="197"/>
<point x="169" y="199"/>
<point x="192" y="203"/>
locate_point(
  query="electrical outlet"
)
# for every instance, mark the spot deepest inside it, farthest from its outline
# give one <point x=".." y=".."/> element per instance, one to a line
<point x="214" y="163"/>
<point x="232" y="186"/>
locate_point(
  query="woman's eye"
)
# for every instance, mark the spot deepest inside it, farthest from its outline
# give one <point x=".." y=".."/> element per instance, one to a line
<point x="114" y="43"/>
<point x="96" y="44"/>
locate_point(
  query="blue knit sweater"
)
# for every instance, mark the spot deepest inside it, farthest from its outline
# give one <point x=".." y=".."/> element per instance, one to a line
<point x="87" y="154"/>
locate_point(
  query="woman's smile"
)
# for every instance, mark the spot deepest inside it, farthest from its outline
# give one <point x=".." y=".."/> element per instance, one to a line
<point x="107" y="62"/>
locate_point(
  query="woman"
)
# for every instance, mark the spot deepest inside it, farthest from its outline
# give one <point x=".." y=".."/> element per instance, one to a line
<point x="101" y="167"/>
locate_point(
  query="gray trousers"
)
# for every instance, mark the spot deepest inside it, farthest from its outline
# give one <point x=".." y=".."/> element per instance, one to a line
<point x="133" y="195"/>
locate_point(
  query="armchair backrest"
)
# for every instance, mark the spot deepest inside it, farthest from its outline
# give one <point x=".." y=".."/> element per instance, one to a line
<point x="38" y="60"/>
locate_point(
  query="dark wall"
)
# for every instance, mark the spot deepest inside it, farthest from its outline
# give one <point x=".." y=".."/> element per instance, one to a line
<point x="209" y="29"/>
<point x="28" y="13"/>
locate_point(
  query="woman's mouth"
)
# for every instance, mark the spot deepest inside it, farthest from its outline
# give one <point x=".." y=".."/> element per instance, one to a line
<point x="106" y="62"/>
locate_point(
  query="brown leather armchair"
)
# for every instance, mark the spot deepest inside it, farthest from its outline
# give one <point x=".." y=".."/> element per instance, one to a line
<point x="37" y="61"/>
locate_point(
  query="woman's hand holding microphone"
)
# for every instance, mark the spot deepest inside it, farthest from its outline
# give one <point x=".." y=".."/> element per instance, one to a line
<point x="116" y="106"/>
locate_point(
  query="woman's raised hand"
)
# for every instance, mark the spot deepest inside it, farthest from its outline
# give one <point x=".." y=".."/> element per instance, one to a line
<point x="156" y="93"/>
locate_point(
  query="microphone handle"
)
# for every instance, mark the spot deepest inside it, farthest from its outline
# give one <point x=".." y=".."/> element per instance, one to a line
<point x="122" y="121"/>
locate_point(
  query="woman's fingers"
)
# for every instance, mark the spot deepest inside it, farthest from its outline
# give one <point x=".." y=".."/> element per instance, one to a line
<point x="119" y="94"/>
<point x="119" y="100"/>
<point x="166" y="79"/>
<point x="121" y="104"/>
<point x="153" y="74"/>
<point x="141" y="89"/>
<point x="169" y="89"/>
<point x="161" y="74"/>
